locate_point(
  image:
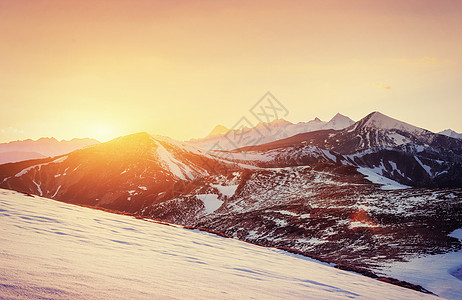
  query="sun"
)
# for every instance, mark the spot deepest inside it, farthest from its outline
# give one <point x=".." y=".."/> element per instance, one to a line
<point x="103" y="132"/>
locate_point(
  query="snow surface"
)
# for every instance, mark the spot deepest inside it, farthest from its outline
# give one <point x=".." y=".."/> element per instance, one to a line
<point x="57" y="190"/>
<point x="424" y="166"/>
<point x="60" y="160"/>
<point x="211" y="202"/>
<point x="387" y="184"/>
<point x="183" y="146"/>
<point x="441" y="274"/>
<point x="226" y="190"/>
<point x="399" y="139"/>
<point x="26" y="170"/>
<point x="51" y="249"/>
<point x="38" y="187"/>
<point x="456" y="233"/>
<point x="176" y="167"/>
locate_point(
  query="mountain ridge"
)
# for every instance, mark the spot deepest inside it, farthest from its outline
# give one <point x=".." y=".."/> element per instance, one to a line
<point x="451" y="133"/>
<point x="43" y="147"/>
<point x="266" y="132"/>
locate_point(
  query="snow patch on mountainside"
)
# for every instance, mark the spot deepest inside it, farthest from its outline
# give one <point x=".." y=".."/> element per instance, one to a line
<point x="424" y="166"/>
<point x="181" y="145"/>
<point x="39" y="189"/>
<point x="26" y="170"/>
<point x="226" y="190"/>
<point x="176" y="167"/>
<point x="211" y="202"/>
<point x="386" y="183"/>
<point x="439" y="273"/>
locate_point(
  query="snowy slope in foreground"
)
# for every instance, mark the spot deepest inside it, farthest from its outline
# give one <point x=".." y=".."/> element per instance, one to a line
<point x="56" y="250"/>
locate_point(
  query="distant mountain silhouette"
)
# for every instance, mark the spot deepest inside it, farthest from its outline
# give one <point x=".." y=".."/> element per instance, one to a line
<point x="222" y="138"/>
<point x="43" y="147"/>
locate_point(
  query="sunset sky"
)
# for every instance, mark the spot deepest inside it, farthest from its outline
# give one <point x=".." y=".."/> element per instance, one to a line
<point x="107" y="68"/>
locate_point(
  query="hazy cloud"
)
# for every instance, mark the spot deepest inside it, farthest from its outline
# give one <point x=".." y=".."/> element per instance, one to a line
<point x="428" y="59"/>
<point x="382" y="86"/>
<point x="11" y="130"/>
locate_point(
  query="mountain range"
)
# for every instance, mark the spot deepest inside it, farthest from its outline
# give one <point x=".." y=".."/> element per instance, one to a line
<point x="361" y="195"/>
<point x="222" y="138"/>
<point x="41" y="148"/>
<point x="377" y="144"/>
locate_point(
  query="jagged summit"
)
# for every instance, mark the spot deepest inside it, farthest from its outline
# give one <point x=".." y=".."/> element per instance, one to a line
<point x="138" y="135"/>
<point x="377" y="120"/>
<point x="136" y="142"/>
<point x="338" y="122"/>
<point x="218" y="130"/>
<point x="280" y="121"/>
<point x="266" y="132"/>
<point x="451" y="133"/>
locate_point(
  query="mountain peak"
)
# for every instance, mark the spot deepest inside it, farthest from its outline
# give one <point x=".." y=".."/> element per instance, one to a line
<point x="218" y="130"/>
<point x="339" y="115"/>
<point x="280" y="121"/>
<point x="138" y="135"/>
<point x="134" y="140"/>
<point x="451" y="133"/>
<point x="338" y="122"/>
<point x="380" y="121"/>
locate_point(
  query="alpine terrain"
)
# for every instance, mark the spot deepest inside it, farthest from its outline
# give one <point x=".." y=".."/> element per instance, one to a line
<point x="365" y="196"/>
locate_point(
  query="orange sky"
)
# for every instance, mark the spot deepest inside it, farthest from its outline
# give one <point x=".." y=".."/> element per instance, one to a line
<point x="177" y="68"/>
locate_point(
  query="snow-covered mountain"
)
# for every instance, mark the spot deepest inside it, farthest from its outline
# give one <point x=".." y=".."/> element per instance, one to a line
<point x="338" y="122"/>
<point x="218" y="130"/>
<point x="378" y="144"/>
<point x="222" y="138"/>
<point x="124" y="174"/>
<point x="451" y="133"/>
<point x="60" y="251"/>
<point x="43" y="147"/>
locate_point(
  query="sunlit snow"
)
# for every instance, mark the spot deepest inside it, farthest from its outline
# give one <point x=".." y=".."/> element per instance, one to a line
<point x="50" y="249"/>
